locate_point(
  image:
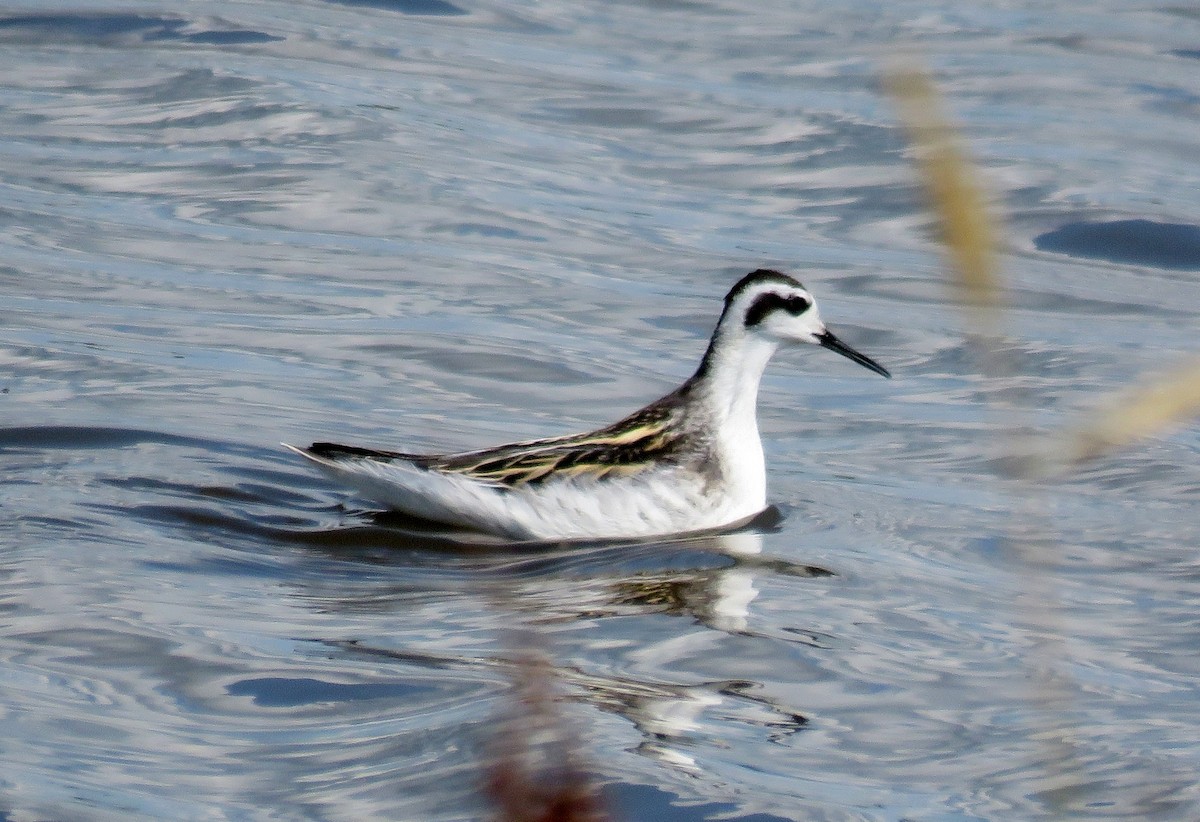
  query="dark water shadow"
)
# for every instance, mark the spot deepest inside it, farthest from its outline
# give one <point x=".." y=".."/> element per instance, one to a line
<point x="434" y="8"/>
<point x="291" y="692"/>
<point x="1173" y="246"/>
<point x="120" y="28"/>
<point x="632" y="802"/>
<point x="43" y="437"/>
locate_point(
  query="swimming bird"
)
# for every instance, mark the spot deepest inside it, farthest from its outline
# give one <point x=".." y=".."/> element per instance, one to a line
<point x="691" y="461"/>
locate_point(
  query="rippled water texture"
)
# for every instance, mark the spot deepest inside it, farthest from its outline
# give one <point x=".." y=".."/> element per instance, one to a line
<point x="441" y="224"/>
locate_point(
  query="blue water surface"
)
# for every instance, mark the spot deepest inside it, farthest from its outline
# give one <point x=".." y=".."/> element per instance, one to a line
<point x="439" y="225"/>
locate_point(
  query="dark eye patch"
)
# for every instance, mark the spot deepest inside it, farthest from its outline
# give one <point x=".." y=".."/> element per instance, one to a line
<point x="771" y="301"/>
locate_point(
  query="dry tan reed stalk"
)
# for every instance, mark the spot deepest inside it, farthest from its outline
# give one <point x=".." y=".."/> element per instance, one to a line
<point x="1147" y="409"/>
<point x="951" y="189"/>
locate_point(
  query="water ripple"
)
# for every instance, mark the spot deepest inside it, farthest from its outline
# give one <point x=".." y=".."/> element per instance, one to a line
<point x="428" y="224"/>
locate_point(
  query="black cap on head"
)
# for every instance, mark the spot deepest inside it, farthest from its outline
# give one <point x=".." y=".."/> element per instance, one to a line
<point x="761" y="275"/>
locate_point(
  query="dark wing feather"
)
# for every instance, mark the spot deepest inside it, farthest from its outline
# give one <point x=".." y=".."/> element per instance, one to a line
<point x="623" y="449"/>
<point x="334" y="451"/>
<point x="638" y="442"/>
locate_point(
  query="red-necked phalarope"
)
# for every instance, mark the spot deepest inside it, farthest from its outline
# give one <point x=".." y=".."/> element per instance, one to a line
<point x="692" y="461"/>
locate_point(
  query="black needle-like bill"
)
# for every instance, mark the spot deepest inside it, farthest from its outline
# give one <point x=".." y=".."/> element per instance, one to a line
<point x="827" y="340"/>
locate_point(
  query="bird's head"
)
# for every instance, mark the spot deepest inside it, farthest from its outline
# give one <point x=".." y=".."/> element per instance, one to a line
<point x="773" y="306"/>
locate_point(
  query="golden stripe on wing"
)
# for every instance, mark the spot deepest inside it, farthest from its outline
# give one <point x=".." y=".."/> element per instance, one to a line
<point x="620" y="451"/>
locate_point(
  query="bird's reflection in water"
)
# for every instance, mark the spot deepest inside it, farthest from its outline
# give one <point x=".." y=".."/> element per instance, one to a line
<point x="607" y="602"/>
<point x="719" y="597"/>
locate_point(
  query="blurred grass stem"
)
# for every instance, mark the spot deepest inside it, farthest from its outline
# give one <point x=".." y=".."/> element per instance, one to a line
<point x="966" y="232"/>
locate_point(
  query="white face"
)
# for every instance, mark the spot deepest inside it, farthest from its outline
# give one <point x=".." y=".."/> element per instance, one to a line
<point x="786" y="313"/>
<point x="780" y="309"/>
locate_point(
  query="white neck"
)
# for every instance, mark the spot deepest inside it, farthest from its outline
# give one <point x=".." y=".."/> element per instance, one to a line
<point x="727" y="389"/>
<point x="729" y="378"/>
